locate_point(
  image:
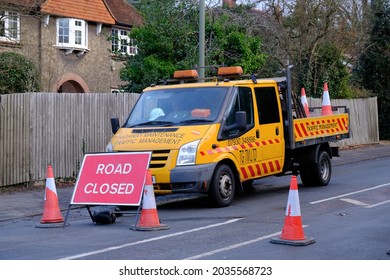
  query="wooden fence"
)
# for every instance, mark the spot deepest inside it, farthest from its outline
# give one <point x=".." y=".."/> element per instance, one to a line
<point x="364" y="127"/>
<point x="41" y="129"/>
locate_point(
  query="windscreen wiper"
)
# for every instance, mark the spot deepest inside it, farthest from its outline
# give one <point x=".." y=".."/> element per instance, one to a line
<point x="162" y="123"/>
<point x="196" y="121"/>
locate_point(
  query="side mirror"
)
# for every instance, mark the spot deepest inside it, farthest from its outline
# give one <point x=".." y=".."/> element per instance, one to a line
<point x="240" y="122"/>
<point x="114" y="125"/>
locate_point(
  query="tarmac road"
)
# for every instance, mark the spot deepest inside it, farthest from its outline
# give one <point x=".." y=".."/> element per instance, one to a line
<point x="21" y="204"/>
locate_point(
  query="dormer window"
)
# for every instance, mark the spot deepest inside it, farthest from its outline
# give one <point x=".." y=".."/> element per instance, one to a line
<point x="9" y="26"/>
<point x="72" y="34"/>
<point x="122" y="43"/>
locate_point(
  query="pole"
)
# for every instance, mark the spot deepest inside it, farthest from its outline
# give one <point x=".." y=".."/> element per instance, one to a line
<point x="289" y="106"/>
<point x="201" y="37"/>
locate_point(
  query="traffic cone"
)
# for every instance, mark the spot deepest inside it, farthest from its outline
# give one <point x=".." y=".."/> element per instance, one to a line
<point x="292" y="233"/>
<point x="51" y="211"/>
<point x="304" y="102"/>
<point x="326" y="106"/>
<point x="148" y="219"/>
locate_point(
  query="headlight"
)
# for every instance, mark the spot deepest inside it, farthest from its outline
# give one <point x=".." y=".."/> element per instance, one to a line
<point x="109" y="148"/>
<point x="187" y="153"/>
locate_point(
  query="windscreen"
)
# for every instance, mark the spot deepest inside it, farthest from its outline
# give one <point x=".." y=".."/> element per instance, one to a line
<point x="177" y="106"/>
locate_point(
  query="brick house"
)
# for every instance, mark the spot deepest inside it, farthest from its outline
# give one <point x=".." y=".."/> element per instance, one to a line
<point x="77" y="45"/>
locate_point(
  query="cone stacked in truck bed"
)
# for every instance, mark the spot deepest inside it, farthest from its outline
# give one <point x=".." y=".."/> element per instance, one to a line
<point x="326" y="106"/>
<point x="304" y="102"/>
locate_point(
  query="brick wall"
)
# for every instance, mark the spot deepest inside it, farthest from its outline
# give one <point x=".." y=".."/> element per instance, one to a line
<point x="95" y="68"/>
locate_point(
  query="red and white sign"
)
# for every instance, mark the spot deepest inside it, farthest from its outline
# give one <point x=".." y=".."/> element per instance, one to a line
<point x="111" y="179"/>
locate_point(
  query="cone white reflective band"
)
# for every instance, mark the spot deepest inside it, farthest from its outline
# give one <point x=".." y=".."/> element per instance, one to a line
<point x="148" y="201"/>
<point x="293" y="208"/>
<point x="303" y="99"/>
<point x="326" y="98"/>
<point x="304" y="102"/>
<point x="50" y="184"/>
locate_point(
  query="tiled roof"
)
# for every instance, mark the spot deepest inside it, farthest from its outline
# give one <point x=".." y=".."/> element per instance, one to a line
<point x="106" y="11"/>
<point x="90" y="10"/>
<point x="124" y="13"/>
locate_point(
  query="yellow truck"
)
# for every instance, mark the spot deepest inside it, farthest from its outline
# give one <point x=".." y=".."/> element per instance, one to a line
<point x="217" y="135"/>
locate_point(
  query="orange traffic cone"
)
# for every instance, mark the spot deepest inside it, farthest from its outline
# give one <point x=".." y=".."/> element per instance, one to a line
<point x="292" y="233"/>
<point x="149" y="217"/>
<point x="326" y="106"/>
<point x="304" y="102"/>
<point x="51" y="211"/>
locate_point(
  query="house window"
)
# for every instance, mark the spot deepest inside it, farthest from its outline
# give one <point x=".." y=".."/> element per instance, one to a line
<point x="9" y="26"/>
<point x="72" y="33"/>
<point x="122" y="43"/>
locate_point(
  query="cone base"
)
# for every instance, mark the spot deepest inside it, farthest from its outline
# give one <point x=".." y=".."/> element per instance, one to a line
<point x="52" y="225"/>
<point x="52" y="220"/>
<point x="303" y="242"/>
<point x="145" y="228"/>
<point x="149" y="219"/>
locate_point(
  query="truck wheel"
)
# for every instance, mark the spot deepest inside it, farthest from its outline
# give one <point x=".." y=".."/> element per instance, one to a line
<point x="306" y="175"/>
<point x="323" y="169"/>
<point x="223" y="186"/>
<point x="317" y="174"/>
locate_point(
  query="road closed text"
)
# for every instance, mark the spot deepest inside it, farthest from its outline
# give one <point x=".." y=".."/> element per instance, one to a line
<point x="112" y="169"/>
<point x="113" y="188"/>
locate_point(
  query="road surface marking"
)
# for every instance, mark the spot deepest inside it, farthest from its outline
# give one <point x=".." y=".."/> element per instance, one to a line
<point x="378" y="204"/>
<point x="234" y="246"/>
<point x="147" y="240"/>
<point x="351" y="193"/>
<point x="354" y="201"/>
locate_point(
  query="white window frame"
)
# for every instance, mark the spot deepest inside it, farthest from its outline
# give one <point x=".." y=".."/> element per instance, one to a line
<point x="122" y="43"/>
<point x="74" y="35"/>
<point x="10" y="21"/>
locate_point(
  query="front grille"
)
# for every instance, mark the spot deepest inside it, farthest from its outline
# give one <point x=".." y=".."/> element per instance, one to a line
<point x="159" y="159"/>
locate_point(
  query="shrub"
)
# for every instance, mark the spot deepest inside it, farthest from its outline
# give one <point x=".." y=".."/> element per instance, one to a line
<point x="18" y="73"/>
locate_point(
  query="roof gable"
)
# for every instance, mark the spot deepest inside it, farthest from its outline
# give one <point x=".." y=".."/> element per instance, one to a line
<point x="124" y="13"/>
<point x="90" y="10"/>
<point x="119" y="12"/>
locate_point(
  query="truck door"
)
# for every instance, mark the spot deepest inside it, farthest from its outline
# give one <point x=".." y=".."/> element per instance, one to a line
<point x="270" y="129"/>
<point x="244" y="144"/>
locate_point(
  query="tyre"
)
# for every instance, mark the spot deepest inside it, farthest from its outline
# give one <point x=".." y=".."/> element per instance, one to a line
<point x="317" y="174"/>
<point x="223" y="186"/>
<point x="323" y="169"/>
<point x="306" y="177"/>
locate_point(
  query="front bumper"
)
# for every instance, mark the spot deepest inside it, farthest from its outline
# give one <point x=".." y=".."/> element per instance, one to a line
<point x="192" y="179"/>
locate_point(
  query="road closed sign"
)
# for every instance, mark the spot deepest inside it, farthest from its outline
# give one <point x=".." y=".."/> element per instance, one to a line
<point x="111" y="179"/>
